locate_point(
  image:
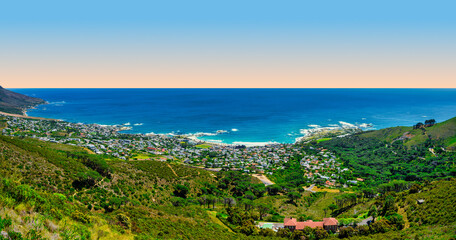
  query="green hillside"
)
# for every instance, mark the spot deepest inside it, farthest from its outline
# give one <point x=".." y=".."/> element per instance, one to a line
<point x="399" y="153"/>
<point x="56" y="191"/>
<point x="444" y="131"/>
<point x="48" y="191"/>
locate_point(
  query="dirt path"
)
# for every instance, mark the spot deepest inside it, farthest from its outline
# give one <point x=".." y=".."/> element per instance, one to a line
<point x="172" y="169"/>
<point x="310" y="188"/>
<point x="263" y="179"/>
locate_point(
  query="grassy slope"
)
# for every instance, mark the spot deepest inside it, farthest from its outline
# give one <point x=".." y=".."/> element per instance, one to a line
<point x="147" y="185"/>
<point x="445" y="130"/>
<point x="282" y="206"/>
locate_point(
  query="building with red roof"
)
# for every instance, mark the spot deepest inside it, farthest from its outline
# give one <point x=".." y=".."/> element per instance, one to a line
<point x="329" y="224"/>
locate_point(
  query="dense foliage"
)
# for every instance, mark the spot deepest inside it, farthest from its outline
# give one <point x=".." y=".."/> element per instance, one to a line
<point x="379" y="161"/>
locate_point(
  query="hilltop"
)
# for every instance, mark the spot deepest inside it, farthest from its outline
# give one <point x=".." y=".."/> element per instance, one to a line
<point x="16" y="103"/>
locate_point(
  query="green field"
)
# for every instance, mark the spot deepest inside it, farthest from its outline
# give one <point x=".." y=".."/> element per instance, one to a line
<point x="323" y="139"/>
<point x="205" y="145"/>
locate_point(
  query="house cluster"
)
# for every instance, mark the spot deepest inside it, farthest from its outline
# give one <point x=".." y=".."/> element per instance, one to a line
<point x="99" y="139"/>
<point x="319" y="165"/>
<point x="328" y="224"/>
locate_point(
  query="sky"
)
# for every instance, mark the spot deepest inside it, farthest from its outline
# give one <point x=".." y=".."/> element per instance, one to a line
<point x="228" y="44"/>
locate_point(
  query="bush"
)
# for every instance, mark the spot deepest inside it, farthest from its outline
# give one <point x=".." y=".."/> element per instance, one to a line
<point x="266" y="232"/>
<point x="4" y="223"/>
<point x="81" y="217"/>
<point x="380" y="226"/>
<point x="124" y="220"/>
<point x="346" y="232"/>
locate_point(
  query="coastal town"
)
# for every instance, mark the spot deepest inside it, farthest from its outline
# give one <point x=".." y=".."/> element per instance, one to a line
<point x="320" y="165"/>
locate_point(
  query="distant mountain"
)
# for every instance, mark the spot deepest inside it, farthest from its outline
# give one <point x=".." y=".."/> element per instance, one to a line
<point x="11" y="102"/>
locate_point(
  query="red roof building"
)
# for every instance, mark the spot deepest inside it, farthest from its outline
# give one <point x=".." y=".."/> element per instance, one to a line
<point x="329" y="224"/>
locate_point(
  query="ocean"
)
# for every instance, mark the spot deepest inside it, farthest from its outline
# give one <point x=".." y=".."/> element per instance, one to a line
<point x="244" y="116"/>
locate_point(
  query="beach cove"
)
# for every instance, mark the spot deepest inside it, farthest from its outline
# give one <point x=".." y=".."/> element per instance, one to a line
<point x="244" y="116"/>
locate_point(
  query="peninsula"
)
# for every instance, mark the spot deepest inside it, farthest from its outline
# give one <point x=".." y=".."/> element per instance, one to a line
<point x="16" y="103"/>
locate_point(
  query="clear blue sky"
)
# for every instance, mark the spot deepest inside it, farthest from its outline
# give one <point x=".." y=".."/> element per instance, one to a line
<point x="236" y="30"/>
<point x="263" y="15"/>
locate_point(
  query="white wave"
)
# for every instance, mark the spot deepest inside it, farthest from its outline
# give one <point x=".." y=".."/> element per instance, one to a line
<point x="363" y="118"/>
<point x="138" y="124"/>
<point x="57" y="104"/>
<point x="127" y="124"/>
<point x="201" y="134"/>
<point x="346" y="124"/>
<point x="314" y="125"/>
<point x="365" y="125"/>
<point x="424" y="116"/>
<point x="234" y="130"/>
<point x="254" y="144"/>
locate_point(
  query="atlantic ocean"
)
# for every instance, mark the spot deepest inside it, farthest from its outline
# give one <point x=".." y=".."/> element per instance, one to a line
<point x="244" y="116"/>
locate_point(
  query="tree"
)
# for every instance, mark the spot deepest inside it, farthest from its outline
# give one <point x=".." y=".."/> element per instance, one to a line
<point x="396" y="220"/>
<point x="373" y="212"/>
<point x="202" y="200"/>
<point x="332" y="207"/>
<point x="320" y="233"/>
<point x="178" y="201"/>
<point x="247" y="204"/>
<point x="266" y="232"/>
<point x="297" y="235"/>
<point x="283" y="233"/>
<point x="181" y="191"/>
<point x="249" y="195"/>
<point x="263" y="209"/>
<point x="293" y="196"/>
<point x="346" y="232"/>
<point x="258" y="190"/>
<point x="229" y="201"/>
<point x="388" y="206"/>
<point x="213" y="199"/>
<point x="273" y="189"/>
<point x="249" y="230"/>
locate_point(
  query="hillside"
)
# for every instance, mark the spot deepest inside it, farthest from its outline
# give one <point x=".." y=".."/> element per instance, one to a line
<point x="50" y="190"/>
<point x="15" y="103"/>
<point x="444" y="131"/>
<point x="399" y="153"/>
<point x="56" y="190"/>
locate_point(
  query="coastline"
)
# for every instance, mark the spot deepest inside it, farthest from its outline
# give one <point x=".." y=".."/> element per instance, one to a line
<point x="314" y="132"/>
<point x="27" y="117"/>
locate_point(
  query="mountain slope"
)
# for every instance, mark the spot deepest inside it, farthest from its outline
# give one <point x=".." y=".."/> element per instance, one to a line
<point x="61" y="194"/>
<point x="445" y="131"/>
<point x="11" y="102"/>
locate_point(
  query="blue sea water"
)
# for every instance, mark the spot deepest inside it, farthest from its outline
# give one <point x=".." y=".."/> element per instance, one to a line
<point x="249" y="115"/>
